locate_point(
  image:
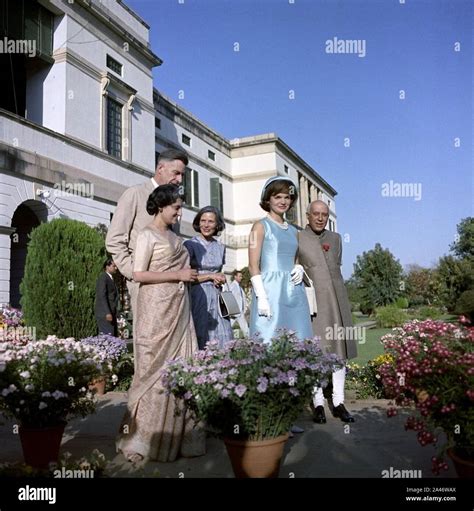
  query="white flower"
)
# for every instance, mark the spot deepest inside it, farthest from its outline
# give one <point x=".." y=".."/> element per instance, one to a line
<point x="29" y="387"/>
<point x="25" y="374"/>
<point x="42" y="405"/>
<point x="46" y="394"/>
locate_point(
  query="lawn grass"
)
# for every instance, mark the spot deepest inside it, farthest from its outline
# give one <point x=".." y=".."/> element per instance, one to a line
<point x="372" y="346"/>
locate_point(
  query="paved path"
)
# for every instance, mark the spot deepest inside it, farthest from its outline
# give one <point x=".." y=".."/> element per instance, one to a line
<point x="364" y="449"/>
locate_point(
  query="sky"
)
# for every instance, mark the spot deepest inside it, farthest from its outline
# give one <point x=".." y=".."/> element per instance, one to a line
<point x="386" y="122"/>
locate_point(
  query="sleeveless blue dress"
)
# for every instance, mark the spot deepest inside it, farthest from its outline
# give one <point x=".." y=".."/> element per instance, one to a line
<point x="288" y="303"/>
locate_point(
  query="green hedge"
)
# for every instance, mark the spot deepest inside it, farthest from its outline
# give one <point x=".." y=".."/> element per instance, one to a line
<point x="64" y="259"/>
<point x="390" y="316"/>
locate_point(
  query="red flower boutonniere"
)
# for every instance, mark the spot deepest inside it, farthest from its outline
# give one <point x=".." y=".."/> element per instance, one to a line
<point x="326" y="247"/>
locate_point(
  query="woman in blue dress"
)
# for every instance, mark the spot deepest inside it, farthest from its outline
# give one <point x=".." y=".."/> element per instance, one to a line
<point x="278" y="297"/>
<point x="208" y="257"/>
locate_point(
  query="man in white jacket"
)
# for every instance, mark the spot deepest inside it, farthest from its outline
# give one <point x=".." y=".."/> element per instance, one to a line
<point x="239" y="295"/>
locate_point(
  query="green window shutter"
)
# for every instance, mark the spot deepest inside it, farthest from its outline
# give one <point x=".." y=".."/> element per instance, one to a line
<point x="215" y="191"/>
<point x="221" y="199"/>
<point x="188" y="187"/>
<point x="196" y="188"/>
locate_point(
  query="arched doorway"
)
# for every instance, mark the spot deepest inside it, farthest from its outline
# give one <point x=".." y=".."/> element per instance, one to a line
<point x="27" y="216"/>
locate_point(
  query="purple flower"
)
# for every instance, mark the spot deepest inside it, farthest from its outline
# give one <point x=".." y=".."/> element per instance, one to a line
<point x="240" y="390"/>
<point x="262" y="384"/>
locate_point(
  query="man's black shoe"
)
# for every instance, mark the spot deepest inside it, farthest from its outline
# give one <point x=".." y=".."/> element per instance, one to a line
<point x="319" y="416"/>
<point x="341" y="412"/>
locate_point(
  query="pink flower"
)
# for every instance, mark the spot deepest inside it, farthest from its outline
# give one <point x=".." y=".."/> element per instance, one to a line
<point x="326" y="246"/>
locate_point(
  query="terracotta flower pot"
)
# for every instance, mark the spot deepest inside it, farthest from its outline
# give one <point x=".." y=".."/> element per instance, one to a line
<point x="41" y="445"/>
<point x="98" y="386"/>
<point x="464" y="467"/>
<point x="256" y="458"/>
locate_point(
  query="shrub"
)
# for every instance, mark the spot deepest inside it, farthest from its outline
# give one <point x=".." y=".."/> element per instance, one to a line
<point x="44" y="383"/>
<point x="390" y="316"/>
<point x="367" y="308"/>
<point x="249" y="389"/>
<point x="124" y="370"/>
<point x="64" y="260"/>
<point x="432" y="369"/>
<point x="428" y="313"/>
<point x="465" y="304"/>
<point x="402" y="302"/>
<point x="366" y="380"/>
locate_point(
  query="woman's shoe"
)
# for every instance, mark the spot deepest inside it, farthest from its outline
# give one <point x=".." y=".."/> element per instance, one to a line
<point x="296" y="429"/>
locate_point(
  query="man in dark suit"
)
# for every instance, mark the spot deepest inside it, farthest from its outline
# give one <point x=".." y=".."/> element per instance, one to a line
<point x="106" y="300"/>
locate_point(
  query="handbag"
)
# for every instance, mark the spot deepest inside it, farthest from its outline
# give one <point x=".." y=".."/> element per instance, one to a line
<point x="228" y="305"/>
<point x="310" y="294"/>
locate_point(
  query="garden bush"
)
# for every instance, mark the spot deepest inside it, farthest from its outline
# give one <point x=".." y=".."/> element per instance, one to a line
<point x="390" y="316"/>
<point x="64" y="260"/>
<point x="465" y="304"/>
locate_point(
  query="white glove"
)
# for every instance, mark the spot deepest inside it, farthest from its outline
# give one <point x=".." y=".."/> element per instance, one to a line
<point x="297" y="274"/>
<point x="262" y="300"/>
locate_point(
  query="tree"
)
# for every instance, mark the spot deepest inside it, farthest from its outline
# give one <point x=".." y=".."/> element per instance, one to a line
<point x="355" y="294"/>
<point x="463" y="247"/>
<point x="64" y="260"/>
<point x="422" y="285"/>
<point x="465" y="304"/>
<point x="454" y="276"/>
<point x="378" y="274"/>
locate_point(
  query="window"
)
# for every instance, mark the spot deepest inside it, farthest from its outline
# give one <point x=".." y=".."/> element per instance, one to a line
<point x="114" y="65"/>
<point x="157" y="155"/>
<point x="216" y="194"/>
<point x="114" y="128"/>
<point x="211" y="155"/>
<point x="331" y="225"/>
<point x="329" y="203"/>
<point x="285" y="168"/>
<point x="158" y="123"/>
<point x="186" y="140"/>
<point x="191" y="188"/>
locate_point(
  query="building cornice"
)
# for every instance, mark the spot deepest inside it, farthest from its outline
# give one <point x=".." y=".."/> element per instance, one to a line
<point x="77" y="143"/>
<point x="116" y="25"/>
<point x="134" y="14"/>
<point x="266" y="138"/>
<point x="48" y="172"/>
<point x="188" y="121"/>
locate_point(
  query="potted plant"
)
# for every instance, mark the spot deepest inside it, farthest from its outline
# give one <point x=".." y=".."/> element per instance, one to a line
<point x="42" y="385"/>
<point x="251" y="393"/>
<point x="111" y="350"/>
<point x="432" y="368"/>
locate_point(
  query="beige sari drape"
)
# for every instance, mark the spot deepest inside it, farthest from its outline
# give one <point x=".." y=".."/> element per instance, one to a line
<point x="164" y="331"/>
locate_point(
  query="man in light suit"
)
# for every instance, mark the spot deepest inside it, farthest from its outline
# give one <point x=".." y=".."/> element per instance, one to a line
<point x="320" y="253"/>
<point x="131" y="217"/>
<point x="106" y="300"/>
<point x="239" y="295"/>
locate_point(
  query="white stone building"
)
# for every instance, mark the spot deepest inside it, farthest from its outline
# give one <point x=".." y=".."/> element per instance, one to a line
<point x="80" y="121"/>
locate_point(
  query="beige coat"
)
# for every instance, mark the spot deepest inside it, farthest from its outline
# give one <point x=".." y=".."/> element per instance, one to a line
<point x="333" y="323"/>
<point x="129" y="219"/>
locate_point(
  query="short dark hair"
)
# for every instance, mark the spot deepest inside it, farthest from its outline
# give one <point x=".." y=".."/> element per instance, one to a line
<point x="276" y="187"/>
<point x="107" y="262"/>
<point x="209" y="209"/>
<point x="173" y="154"/>
<point x="161" y="197"/>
